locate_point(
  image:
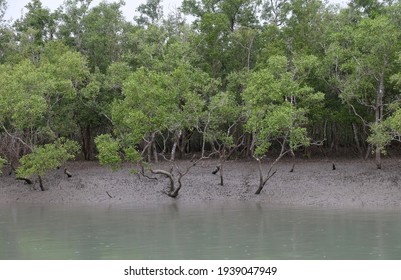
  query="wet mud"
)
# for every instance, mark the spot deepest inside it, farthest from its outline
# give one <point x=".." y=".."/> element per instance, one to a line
<point x="353" y="184"/>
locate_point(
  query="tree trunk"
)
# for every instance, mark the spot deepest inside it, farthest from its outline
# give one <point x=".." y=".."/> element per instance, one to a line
<point x="378" y="158"/>
<point x="248" y="145"/>
<point x="379" y="116"/>
<point x="175" y="145"/>
<point x="149" y="152"/>
<point x="41" y="183"/>
<point x="174" y="194"/>
<point x="86" y="137"/>
<point x="356" y="138"/>
<point x="261" y="185"/>
<point x="368" y="151"/>
<point x="173" y="149"/>
<point x="153" y="144"/>
<point x="292" y="168"/>
<point x="221" y="174"/>
<point x="221" y="165"/>
<point x="336" y="139"/>
<point x="293" y="161"/>
<point x="169" y="175"/>
<point x="262" y="180"/>
<point x="181" y="142"/>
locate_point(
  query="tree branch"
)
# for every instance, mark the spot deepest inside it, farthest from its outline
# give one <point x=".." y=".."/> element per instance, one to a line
<point x="15" y="137"/>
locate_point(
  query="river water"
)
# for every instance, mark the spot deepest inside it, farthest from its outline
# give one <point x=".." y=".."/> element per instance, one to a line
<point x="208" y="231"/>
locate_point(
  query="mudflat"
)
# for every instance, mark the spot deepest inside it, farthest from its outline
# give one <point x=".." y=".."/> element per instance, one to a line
<point x="353" y="184"/>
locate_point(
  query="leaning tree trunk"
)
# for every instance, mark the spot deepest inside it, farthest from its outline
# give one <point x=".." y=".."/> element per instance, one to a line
<point x="170" y="176"/>
<point x="177" y="138"/>
<point x="261" y="180"/>
<point x="174" y="193"/>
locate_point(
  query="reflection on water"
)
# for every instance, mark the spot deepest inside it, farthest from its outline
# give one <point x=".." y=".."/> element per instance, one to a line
<point x="235" y="231"/>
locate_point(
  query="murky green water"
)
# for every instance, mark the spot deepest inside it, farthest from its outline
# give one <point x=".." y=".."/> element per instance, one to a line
<point x="234" y="231"/>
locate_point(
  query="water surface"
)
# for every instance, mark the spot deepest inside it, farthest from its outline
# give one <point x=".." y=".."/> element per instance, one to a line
<point x="208" y="231"/>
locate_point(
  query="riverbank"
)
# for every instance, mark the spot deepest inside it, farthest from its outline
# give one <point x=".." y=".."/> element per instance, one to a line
<point x="354" y="184"/>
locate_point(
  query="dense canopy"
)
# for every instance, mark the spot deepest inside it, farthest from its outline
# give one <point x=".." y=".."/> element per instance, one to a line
<point x="244" y="77"/>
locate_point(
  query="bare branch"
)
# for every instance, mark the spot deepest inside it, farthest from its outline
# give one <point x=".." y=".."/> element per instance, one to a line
<point x="268" y="177"/>
<point x="18" y="138"/>
<point x="359" y="116"/>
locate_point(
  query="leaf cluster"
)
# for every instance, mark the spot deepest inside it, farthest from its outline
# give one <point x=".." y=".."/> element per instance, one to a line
<point x="47" y="157"/>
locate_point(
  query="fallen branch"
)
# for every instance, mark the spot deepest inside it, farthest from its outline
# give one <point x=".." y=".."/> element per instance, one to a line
<point x="69" y="175"/>
<point x="217" y="170"/>
<point x="109" y="194"/>
<point x="27" y="181"/>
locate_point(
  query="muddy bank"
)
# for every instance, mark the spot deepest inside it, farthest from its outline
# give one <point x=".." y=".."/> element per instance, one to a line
<point x="354" y="184"/>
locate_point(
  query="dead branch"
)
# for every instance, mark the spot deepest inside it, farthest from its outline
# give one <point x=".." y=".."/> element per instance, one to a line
<point x="109" y="194"/>
<point x="69" y="175"/>
<point x="16" y="137"/>
<point x="26" y="180"/>
<point x="217" y="170"/>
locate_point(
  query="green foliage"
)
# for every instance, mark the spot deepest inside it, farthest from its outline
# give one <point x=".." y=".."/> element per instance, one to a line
<point x="366" y="66"/>
<point x="132" y="155"/>
<point x="38" y="19"/>
<point x="278" y="102"/>
<point x="380" y="135"/>
<point x="150" y="13"/>
<point x="108" y="148"/>
<point x="103" y="28"/>
<point x="148" y="105"/>
<point x="59" y="73"/>
<point x="117" y="74"/>
<point x="227" y="31"/>
<point x="241" y="65"/>
<point x="369" y="61"/>
<point x="2" y="163"/>
<point x="225" y="115"/>
<point x="394" y="122"/>
<point x="3" y="8"/>
<point x="22" y="91"/>
<point x="96" y="32"/>
<point x="388" y="130"/>
<point x="47" y="157"/>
